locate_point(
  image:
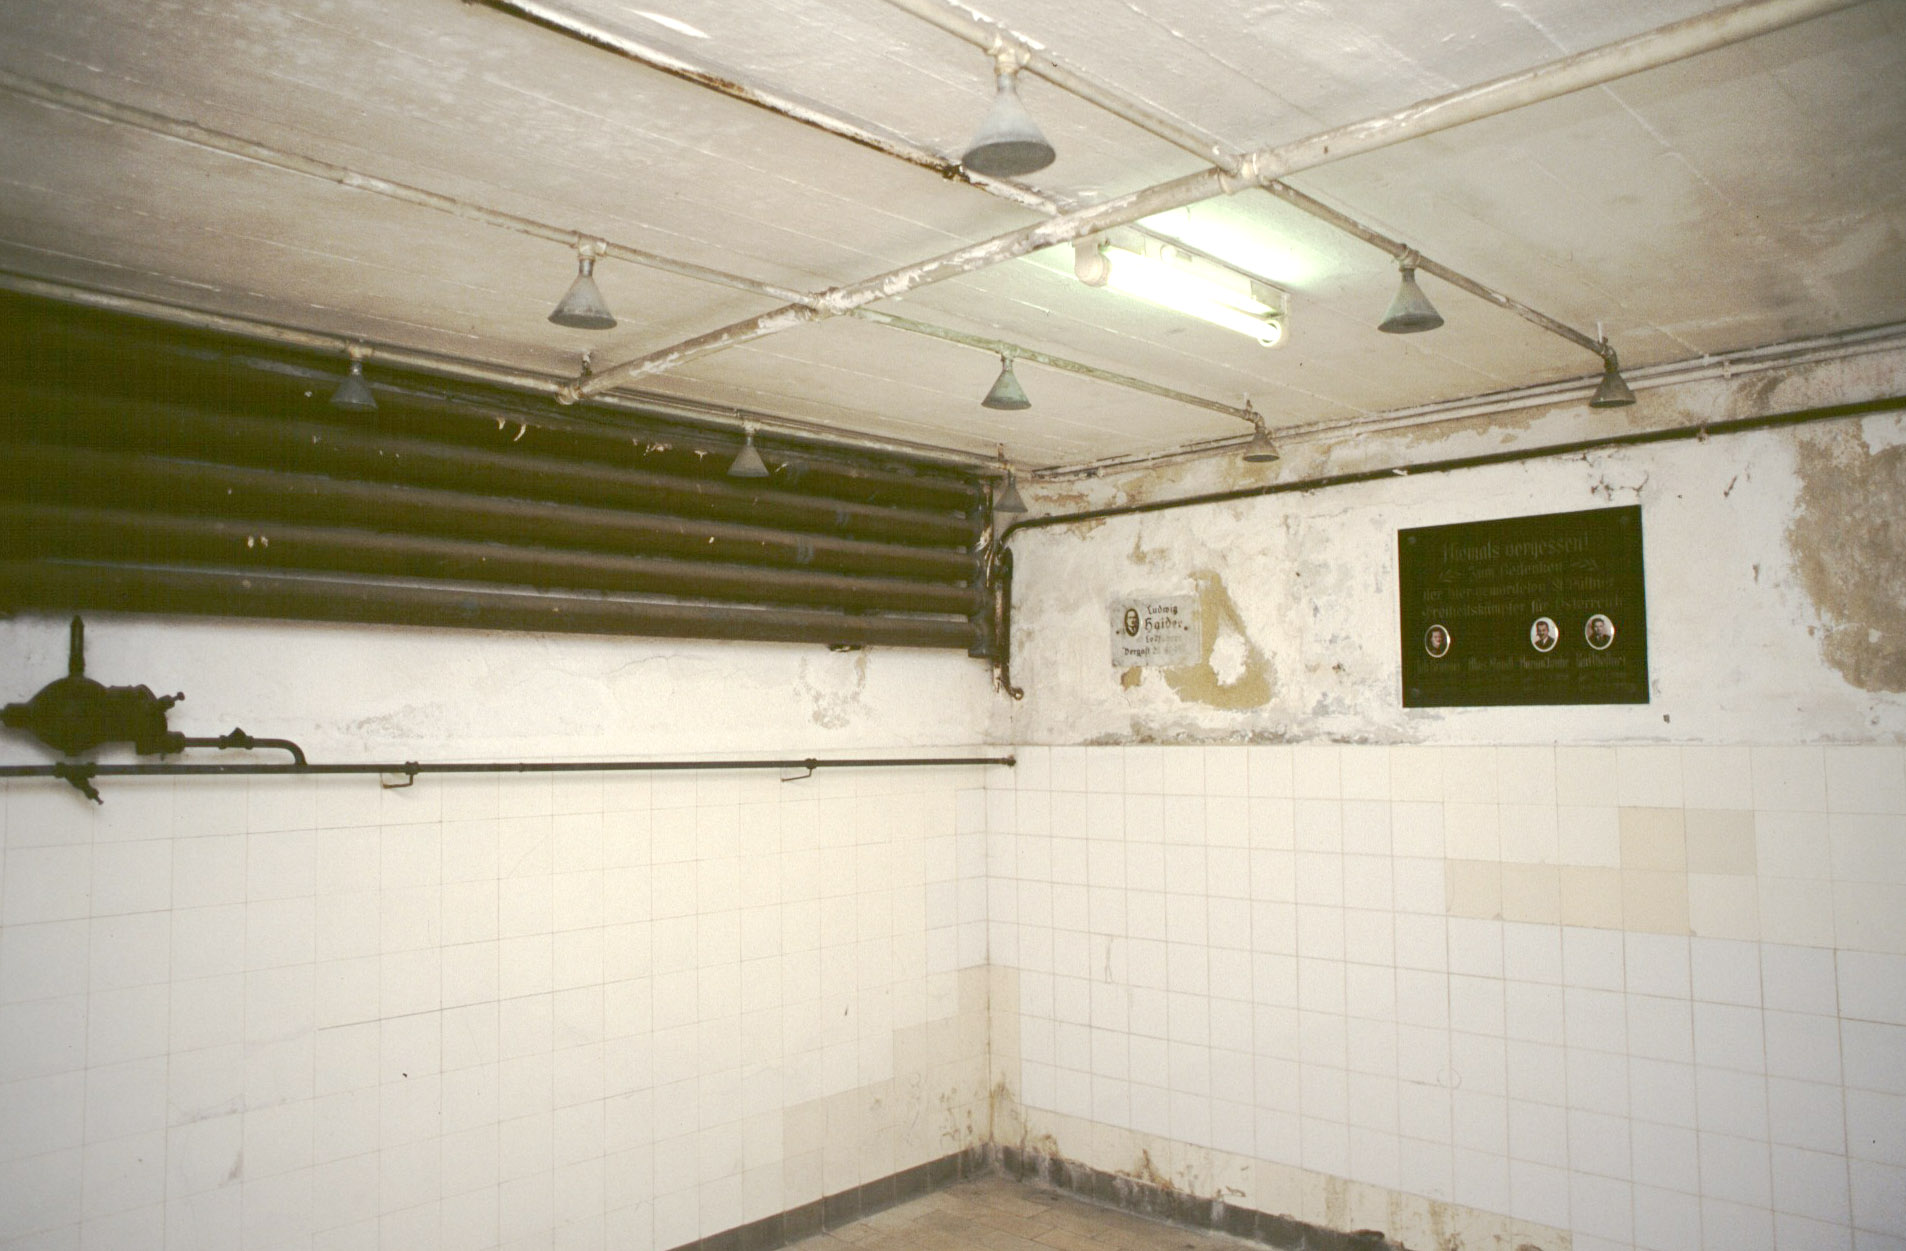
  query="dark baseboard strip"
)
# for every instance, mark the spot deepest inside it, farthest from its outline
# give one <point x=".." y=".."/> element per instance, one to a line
<point x="1145" y="1198"/>
<point x="848" y="1206"/>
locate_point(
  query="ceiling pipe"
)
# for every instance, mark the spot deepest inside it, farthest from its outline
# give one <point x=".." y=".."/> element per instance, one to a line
<point x="1665" y="45"/>
<point x="996" y="39"/>
<point x="466" y="370"/>
<point x="993" y="37"/>
<point x="1846" y="345"/>
<point x="999" y="347"/>
<point x="625" y="43"/>
<point x="1398" y="249"/>
<point x="187" y="132"/>
<point x="89" y="105"/>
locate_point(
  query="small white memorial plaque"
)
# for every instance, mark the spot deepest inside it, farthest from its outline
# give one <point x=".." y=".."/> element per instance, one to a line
<point x="1160" y="631"/>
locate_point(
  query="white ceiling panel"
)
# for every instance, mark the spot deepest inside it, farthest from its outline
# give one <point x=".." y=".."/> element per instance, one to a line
<point x="1746" y="196"/>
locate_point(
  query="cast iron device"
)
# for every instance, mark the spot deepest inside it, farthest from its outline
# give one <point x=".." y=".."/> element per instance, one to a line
<point x="75" y="714"/>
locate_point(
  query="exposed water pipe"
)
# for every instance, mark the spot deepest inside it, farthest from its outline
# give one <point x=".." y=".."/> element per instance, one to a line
<point x="986" y="34"/>
<point x="1398" y="249"/>
<point x="188" y="132"/>
<point x="995" y="38"/>
<point x="1000" y="347"/>
<point x="620" y="40"/>
<point x="88" y="105"/>
<point x="467" y="370"/>
<point x="1700" y="431"/>
<point x="80" y="774"/>
<point x="1845" y="345"/>
<point x="1665" y="45"/>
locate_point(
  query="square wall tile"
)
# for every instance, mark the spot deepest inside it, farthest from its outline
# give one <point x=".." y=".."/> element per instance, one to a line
<point x="1591" y="897"/>
<point x="1866" y="779"/>
<point x="1586" y="776"/>
<point x="1648" y="776"/>
<point x="1722" y="905"/>
<point x="1532" y="893"/>
<point x="1474" y="888"/>
<point x="1653" y="838"/>
<point x="1790" y="779"/>
<point x="1717" y="777"/>
<point x="1720" y="841"/>
<point x="1654" y="902"/>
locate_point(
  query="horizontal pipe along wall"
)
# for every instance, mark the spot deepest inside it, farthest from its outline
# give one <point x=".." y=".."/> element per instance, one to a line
<point x="152" y="472"/>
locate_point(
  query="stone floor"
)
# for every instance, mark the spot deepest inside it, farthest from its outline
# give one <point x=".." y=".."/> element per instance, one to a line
<point x="995" y="1213"/>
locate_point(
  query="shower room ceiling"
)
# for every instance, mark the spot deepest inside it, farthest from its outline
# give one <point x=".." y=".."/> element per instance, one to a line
<point x="1743" y="197"/>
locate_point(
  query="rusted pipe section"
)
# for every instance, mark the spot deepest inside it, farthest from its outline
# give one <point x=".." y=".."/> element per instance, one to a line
<point x="60" y="475"/>
<point x="1663" y="46"/>
<point x="115" y="424"/>
<point x="47" y="585"/>
<point x="1357" y="477"/>
<point x="999" y="347"/>
<point x="466" y="370"/>
<point x="66" y="532"/>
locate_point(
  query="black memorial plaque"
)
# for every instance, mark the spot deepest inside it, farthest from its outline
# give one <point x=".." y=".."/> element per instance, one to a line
<point x="1526" y="610"/>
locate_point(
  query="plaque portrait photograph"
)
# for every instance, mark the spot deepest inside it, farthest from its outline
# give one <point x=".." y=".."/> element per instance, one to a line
<point x="1550" y="609"/>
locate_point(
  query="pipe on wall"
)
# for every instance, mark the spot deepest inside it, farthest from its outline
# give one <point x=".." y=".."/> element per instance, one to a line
<point x="37" y="531"/>
<point x="56" y="96"/>
<point x="1703" y="430"/>
<point x="1662" y="46"/>
<point x="936" y="513"/>
<point x="983" y="33"/>
<point x="465" y="370"/>
<point x="80" y="774"/>
<point x="78" y="477"/>
<point x="95" y="585"/>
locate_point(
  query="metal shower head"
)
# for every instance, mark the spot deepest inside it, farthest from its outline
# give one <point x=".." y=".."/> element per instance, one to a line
<point x="1006" y="393"/>
<point x="1009" y="142"/>
<point x="582" y="306"/>
<point x="1410" y="312"/>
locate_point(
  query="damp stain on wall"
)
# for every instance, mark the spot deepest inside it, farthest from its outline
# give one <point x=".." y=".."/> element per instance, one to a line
<point x="1848" y="540"/>
<point x="834" y="689"/>
<point x="1234" y="673"/>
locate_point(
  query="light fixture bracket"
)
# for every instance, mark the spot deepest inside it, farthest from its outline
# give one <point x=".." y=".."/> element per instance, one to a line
<point x="1184" y="279"/>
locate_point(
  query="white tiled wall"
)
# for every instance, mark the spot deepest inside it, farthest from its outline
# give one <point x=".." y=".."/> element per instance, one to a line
<point x="1252" y="968"/>
<point x="585" y="1012"/>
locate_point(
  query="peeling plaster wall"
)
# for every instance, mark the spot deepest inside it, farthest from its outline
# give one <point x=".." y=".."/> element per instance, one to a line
<point x="1775" y="569"/>
<point x="1564" y="978"/>
<point x="363" y="692"/>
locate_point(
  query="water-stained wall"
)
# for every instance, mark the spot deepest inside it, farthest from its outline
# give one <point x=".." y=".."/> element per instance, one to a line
<point x="1776" y="582"/>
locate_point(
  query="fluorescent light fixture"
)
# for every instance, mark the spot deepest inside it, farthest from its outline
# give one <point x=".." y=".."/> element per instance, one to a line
<point x="1184" y="281"/>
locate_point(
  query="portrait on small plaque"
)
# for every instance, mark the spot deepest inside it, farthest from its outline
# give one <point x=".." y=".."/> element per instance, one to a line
<point x="1131" y="623"/>
<point x="1436" y="642"/>
<point x="1542" y="635"/>
<point x="1599" y="632"/>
